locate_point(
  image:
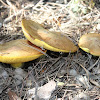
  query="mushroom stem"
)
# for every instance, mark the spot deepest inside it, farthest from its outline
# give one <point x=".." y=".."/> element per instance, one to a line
<point x="17" y="65"/>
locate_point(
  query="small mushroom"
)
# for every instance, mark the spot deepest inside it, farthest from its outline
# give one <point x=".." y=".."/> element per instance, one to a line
<point x="90" y="43"/>
<point x="43" y="38"/>
<point x="18" y="51"/>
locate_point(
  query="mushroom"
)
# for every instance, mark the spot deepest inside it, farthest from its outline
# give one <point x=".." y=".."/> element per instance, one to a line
<point x="90" y="43"/>
<point x="44" y="38"/>
<point x="18" y="51"/>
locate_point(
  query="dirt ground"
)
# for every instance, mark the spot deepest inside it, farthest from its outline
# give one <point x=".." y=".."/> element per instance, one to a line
<point x="77" y="75"/>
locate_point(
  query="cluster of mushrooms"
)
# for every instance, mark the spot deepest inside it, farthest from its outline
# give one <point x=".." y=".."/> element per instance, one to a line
<point x="39" y="40"/>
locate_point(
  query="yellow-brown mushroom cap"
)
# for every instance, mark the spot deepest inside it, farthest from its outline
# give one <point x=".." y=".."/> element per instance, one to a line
<point x="90" y="43"/>
<point x="41" y="37"/>
<point x="17" y="51"/>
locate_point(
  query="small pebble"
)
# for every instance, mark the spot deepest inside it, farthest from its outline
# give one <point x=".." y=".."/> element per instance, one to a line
<point x="73" y="72"/>
<point x="19" y="74"/>
<point x="98" y="27"/>
<point x="0" y="25"/>
<point x="3" y="73"/>
<point x="82" y="96"/>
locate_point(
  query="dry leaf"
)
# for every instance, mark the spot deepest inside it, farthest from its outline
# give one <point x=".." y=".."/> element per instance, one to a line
<point x="12" y="95"/>
<point x="43" y="91"/>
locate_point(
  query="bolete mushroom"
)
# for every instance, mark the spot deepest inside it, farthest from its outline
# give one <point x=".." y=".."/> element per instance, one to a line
<point x="90" y="43"/>
<point x="18" y="51"/>
<point x="43" y="38"/>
